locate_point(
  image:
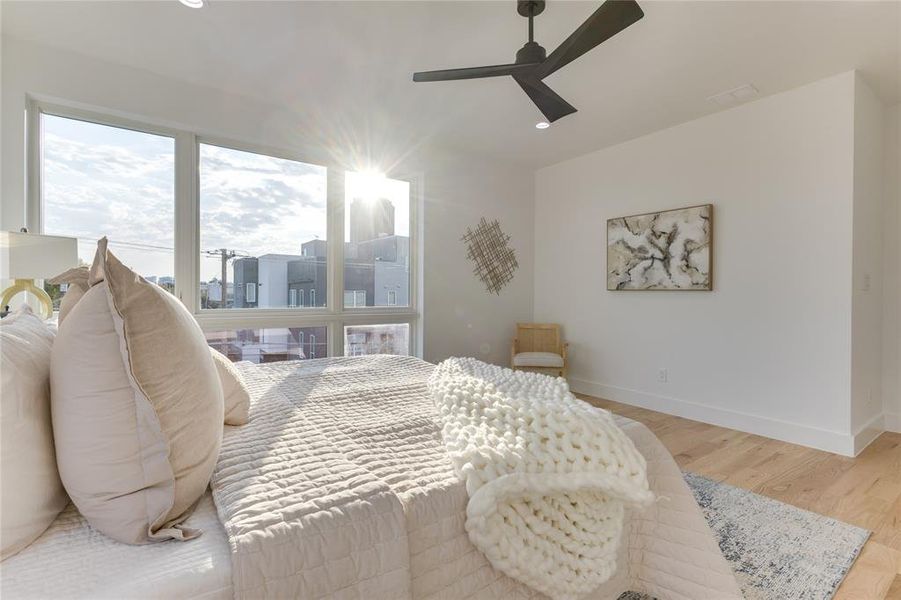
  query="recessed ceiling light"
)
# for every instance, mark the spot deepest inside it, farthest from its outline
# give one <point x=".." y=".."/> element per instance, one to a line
<point x="542" y="125"/>
<point x="192" y="3"/>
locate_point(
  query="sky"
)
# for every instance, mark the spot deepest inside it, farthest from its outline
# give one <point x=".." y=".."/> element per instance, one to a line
<point x="257" y="204"/>
<point x="100" y="180"/>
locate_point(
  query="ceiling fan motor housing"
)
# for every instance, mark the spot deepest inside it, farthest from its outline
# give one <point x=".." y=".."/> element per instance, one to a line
<point x="532" y="52"/>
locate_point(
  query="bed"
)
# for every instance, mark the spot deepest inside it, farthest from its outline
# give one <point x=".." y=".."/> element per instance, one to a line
<point x="340" y="487"/>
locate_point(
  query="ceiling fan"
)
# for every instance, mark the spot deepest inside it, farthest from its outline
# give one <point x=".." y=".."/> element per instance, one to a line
<point x="534" y="64"/>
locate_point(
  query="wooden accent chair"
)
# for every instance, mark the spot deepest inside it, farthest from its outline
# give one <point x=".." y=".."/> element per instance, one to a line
<point x="538" y="347"/>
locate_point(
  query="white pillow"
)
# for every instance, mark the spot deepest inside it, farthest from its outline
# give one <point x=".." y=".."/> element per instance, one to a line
<point x="31" y="494"/>
<point x="137" y="406"/>
<point x="234" y="390"/>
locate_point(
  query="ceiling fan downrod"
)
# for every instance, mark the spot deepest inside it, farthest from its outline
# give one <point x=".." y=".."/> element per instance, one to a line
<point x="531" y="52"/>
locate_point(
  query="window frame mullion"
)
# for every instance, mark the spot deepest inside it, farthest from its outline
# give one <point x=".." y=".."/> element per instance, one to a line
<point x="187" y="221"/>
<point x="335" y="251"/>
<point x="186" y="246"/>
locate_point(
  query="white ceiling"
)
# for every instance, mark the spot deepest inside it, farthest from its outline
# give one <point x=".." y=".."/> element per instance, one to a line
<point x="357" y="58"/>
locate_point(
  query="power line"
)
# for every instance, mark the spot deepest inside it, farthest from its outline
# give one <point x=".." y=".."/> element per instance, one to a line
<point x="143" y="246"/>
<point x="137" y="245"/>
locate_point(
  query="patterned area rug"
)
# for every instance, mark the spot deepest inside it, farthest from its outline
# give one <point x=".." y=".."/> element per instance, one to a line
<point x="778" y="551"/>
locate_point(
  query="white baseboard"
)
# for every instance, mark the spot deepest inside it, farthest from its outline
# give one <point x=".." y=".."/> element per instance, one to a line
<point x="892" y="422"/>
<point x="865" y="435"/>
<point x="814" y="437"/>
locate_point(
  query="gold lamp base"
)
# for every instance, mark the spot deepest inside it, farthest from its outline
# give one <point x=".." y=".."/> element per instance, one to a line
<point x="27" y="285"/>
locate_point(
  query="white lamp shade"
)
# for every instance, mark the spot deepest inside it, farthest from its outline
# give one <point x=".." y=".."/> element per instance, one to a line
<point x="35" y="256"/>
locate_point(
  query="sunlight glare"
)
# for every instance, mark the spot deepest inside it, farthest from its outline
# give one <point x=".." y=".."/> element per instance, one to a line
<point x="371" y="184"/>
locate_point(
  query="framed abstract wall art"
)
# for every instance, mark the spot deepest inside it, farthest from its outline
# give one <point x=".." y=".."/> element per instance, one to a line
<point x="667" y="250"/>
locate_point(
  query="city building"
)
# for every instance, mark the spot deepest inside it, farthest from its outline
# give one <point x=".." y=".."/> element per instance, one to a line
<point x="377" y="272"/>
<point x="370" y="219"/>
<point x="376" y="267"/>
<point x="307" y="276"/>
<point x="271" y="344"/>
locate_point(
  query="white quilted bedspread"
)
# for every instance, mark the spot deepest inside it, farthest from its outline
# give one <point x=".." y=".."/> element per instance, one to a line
<point x="341" y="487"/>
<point x="72" y="560"/>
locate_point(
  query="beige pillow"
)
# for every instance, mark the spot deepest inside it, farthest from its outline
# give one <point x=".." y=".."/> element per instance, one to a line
<point x="137" y="406"/>
<point x="234" y="390"/>
<point x="237" y="398"/>
<point x="77" y="281"/>
<point x="31" y="494"/>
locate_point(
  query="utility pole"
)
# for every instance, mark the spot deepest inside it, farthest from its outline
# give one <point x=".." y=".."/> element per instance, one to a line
<point x="224" y="255"/>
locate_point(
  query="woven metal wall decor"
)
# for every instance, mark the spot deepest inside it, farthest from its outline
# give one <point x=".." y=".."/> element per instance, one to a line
<point x="495" y="261"/>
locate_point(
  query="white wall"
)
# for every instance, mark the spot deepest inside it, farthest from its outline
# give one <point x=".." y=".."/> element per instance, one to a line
<point x="867" y="273"/>
<point x="459" y="316"/>
<point x="769" y="350"/>
<point x="460" y="313"/>
<point x="891" y="352"/>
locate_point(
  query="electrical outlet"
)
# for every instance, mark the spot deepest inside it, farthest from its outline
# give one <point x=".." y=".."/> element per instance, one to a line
<point x="662" y="375"/>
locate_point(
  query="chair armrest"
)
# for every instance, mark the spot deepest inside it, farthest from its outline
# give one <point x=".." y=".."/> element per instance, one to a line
<point x="513" y="348"/>
<point x="565" y="346"/>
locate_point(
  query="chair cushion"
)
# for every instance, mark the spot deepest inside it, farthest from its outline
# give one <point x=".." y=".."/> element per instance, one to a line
<point x="538" y="359"/>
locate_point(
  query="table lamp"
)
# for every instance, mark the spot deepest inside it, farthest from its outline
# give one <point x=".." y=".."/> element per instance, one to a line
<point x="25" y="257"/>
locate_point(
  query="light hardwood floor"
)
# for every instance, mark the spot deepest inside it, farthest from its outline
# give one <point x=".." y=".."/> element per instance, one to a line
<point x="864" y="491"/>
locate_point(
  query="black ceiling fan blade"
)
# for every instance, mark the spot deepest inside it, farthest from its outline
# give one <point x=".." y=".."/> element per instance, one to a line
<point x="612" y="17"/>
<point x="474" y="72"/>
<point x="548" y="102"/>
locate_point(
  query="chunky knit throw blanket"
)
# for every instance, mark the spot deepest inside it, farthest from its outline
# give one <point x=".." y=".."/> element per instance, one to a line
<point x="548" y="475"/>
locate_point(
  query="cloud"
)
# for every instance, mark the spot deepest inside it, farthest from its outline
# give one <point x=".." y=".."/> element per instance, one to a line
<point x="260" y="204"/>
<point x="126" y="191"/>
